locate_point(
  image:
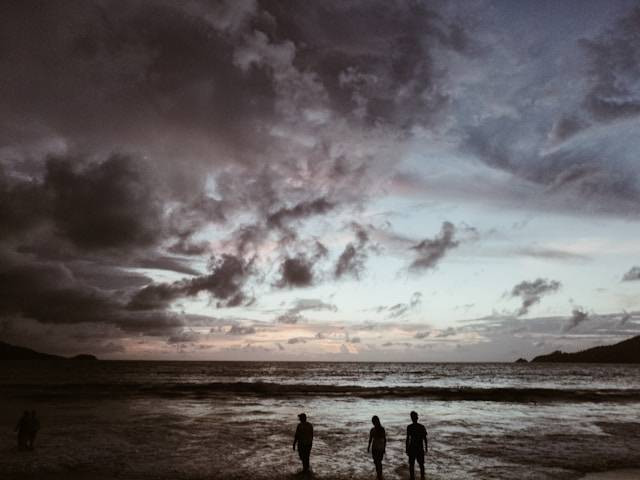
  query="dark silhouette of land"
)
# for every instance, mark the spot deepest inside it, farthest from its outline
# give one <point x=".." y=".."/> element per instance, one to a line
<point x="627" y="351"/>
<point x="14" y="352"/>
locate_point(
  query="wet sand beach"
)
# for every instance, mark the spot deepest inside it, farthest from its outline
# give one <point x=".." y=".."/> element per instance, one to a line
<point x="139" y="431"/>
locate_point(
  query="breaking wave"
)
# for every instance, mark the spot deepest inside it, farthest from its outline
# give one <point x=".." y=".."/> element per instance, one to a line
<point x="266" y="389"/>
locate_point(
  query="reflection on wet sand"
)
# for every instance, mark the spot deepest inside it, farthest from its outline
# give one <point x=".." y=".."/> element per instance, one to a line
<point x="163" y="433"/>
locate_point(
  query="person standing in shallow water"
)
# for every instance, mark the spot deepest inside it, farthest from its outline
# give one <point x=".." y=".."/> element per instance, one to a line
<point x="34" y="426"/>
<point x="377" y="440"/>
<point x="304" y="439"/>
<point x="416" y="437"/>
<point x="22" y="428"/>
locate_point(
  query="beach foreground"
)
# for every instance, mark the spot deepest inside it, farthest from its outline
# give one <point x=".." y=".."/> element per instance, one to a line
<point x="165" y="428"/>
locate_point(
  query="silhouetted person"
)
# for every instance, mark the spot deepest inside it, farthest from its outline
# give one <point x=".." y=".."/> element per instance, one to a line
<point x="416" y="437"/>
<point x="304" y="439"/>
<point x="22" y="428"/>
<point x="377" y="440"/>
<point x="33" y="427"/>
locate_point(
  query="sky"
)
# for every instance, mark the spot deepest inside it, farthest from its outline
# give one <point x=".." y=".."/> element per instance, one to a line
<point x="336" y="180"/>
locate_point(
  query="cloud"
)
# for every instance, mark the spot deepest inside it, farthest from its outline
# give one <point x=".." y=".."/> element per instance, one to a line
<point x="401" y="309"/>
<point x="228" y="276"/>
<point x="304" y="304"/>
<point x="51" y="294"/>
<point x="448" y="332"/>
<point x="544" y="253"/>
<point x="184" y="336"/>
<point x="23" y="204"/>
<point x="106" y="205"/>
<point x="624" y="319"/>
<point x="293" y="316"/>
<point x="296" y="272"/>
<point x="352" y="258"/>
<point x="614" y="55"/>
<point x="125" y="163"/>
<point x="290" y="318"/>
<point x="578" y="316"/>
<point x="301" y="210"/>
<point x="430" y="251"/>
<point x="294" y="340"/>
<point x="531" y="292"/>
<point x="632" y="275"/>
<point x="240" y="330"/>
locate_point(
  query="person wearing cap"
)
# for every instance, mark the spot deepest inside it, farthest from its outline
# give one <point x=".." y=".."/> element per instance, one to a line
<point x="416" y="437"/>
<point x="304" y="439"/>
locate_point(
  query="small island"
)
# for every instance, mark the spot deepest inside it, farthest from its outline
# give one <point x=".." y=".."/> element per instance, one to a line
<point x="15" y="352"/>
<point x="84" y="357"/>
<point x="627" y="351"/>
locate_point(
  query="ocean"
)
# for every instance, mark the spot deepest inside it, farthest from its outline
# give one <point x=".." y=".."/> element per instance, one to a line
<point x="235" y="420"/>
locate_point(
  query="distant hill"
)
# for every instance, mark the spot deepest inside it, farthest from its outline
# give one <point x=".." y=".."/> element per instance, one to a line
<point x="627" y="351"/>
<point x="13" y="352"/>
<point x="84" y="357"/>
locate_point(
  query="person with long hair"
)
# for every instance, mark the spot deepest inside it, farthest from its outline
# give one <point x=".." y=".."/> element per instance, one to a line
<point x="377" y="444"/>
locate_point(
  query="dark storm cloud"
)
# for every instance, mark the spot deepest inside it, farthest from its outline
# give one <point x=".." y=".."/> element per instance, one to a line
<point x="50" y="293"/>
<point x="169" y="64"/>
<point x="296" y="272"/>
<point x="301" y="210"/>
<point x="107" y="205"/>
<point x="352" y="258"/>
<point x="23" y="203"/>
<point x="224" y="283"/>
<point x="294" y="340"/>
<point x="390" y="76"/>
<point x="632" y="275"/>
<point x="161" y="262"/>
<point x="107" y="277"/>
<point x="578" y="316"/>
<point x="615" y="69"/>
<point x="531" y="292"/>
<point x="430" y="251"/>
<point x="190" y="217"/>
